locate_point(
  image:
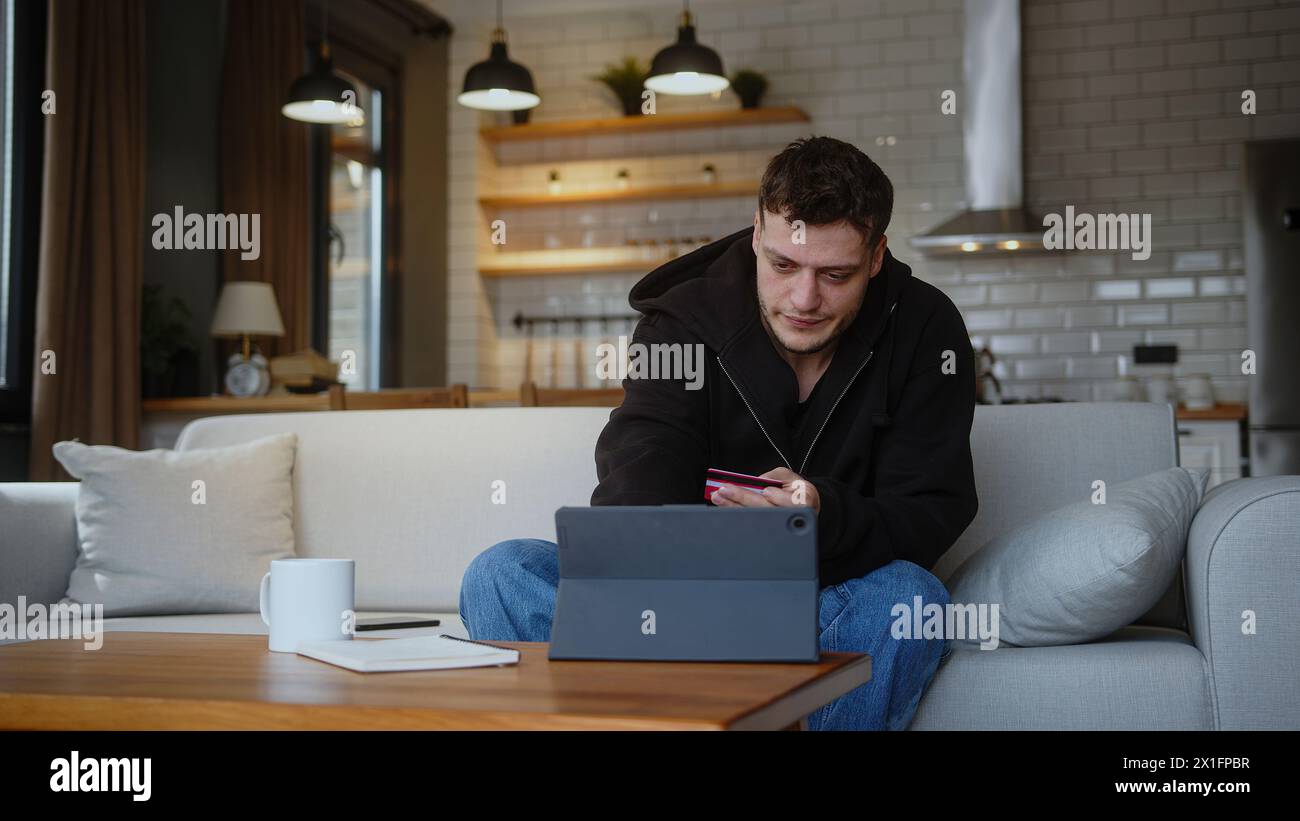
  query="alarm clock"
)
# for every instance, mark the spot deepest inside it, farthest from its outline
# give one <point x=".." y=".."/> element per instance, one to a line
<point x="247" y="377"/>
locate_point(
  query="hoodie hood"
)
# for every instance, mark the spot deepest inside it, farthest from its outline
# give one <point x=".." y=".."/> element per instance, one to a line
<point x="711" y="292"/>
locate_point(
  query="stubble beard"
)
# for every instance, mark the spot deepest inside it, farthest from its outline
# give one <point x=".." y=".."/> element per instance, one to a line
<point x="831" y="338"/>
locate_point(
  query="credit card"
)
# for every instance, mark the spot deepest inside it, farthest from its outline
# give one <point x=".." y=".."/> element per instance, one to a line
<point x="716" y="478"/>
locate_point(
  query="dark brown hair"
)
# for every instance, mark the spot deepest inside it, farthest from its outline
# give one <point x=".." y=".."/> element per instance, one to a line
<point x="822" y="180"/>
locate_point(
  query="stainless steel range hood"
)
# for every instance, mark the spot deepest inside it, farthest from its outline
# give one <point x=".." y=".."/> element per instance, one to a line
<point x="995" y="220"/>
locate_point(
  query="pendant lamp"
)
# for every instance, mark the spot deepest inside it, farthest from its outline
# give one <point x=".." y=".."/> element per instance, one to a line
<point x="498" y="83"/>
<point x="320" y="95"/>
<point x="687" y="66"/>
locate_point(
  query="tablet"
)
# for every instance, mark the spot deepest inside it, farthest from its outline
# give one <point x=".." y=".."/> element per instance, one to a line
<point x="686" y="583"/>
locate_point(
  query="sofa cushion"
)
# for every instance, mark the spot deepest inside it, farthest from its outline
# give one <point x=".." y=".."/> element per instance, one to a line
<point x="1085" y="570"/>
<point x="166" y="532"/>
<point x="1141" y="678"/>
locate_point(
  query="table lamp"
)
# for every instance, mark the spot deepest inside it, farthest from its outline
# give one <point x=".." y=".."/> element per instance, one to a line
<point x="245" y="309"/>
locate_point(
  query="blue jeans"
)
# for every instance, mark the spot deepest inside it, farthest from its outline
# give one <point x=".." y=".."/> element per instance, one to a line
<point x="508" y="594"/>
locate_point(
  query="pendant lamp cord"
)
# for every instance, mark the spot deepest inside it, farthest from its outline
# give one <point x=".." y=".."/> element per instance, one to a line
<point x="324" y="29"/>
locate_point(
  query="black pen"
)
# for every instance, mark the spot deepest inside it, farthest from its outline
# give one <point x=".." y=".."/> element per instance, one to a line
<point x="471" y="641"/>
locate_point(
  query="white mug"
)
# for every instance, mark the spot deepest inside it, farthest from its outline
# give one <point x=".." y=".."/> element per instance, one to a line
<point x="1198" y="392"/>
<point x="1162" y="389"/>
<point x="1128" y="389"/>
<point x="308" y="600"/>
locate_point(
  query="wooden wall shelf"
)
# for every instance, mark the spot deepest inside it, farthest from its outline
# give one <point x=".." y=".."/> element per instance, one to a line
<point x="634" y="266"/>
<point x="667" y="192"/>
<point x="208" y="405"/>
<point x="644" y="123"/>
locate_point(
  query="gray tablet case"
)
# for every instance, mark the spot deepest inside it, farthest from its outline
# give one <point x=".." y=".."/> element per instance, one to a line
<point x="686" y="583"/>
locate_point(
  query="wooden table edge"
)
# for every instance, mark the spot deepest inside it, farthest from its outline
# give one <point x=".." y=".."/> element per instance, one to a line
<point x="38" y="711"/>
<point x="793" y="707"/>
<point x="48" y="711"/>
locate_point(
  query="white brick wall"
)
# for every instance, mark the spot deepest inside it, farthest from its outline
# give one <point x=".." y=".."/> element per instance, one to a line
<point x="1152" y="124"/>
<point x="1130" y="106"/>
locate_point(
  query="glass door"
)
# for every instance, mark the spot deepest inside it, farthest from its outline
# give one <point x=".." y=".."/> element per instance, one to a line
<point x="356" y="220"/>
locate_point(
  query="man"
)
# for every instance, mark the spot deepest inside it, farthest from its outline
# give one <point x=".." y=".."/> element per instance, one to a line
<point x="830" y="368"/>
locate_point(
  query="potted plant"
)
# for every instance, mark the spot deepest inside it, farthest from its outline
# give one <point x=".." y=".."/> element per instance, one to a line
<point x="626" y="80"/>
<point x="749" y="86"/>
<point x="169" y="356"/>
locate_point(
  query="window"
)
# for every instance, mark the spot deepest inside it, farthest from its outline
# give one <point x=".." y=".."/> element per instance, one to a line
<point x="22" y="123"/>
<point x="6" y="204"/>
<point x="354" y="211"/>
<point x="356" y="231"/>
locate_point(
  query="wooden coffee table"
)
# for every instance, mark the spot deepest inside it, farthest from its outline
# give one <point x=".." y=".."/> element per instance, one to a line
<point x="222" y="681"/>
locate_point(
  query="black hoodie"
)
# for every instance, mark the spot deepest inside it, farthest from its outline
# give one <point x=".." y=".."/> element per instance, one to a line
<point x="885" y="437"/>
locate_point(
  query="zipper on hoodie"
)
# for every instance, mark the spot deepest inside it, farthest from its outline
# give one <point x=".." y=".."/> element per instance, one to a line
<point x="749" y="408"/>
<point x="825" y="421"/>
<point x="818" y="435"/>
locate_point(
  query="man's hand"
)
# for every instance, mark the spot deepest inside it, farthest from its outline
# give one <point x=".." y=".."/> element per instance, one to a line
<point x="795" y="491"/>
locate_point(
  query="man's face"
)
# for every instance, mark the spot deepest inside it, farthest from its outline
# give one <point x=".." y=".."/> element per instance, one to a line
<point x="809" y="292"/>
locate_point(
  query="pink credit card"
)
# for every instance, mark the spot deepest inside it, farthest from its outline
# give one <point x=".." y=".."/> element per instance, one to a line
<point x="716" y="478"/>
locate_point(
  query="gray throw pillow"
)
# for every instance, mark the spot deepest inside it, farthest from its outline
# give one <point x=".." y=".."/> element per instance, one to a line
<point x="164" y="532"/>
<point x="1086" y="570"/>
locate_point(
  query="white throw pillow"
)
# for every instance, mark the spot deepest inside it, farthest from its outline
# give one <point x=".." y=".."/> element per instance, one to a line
<point x="165" y="532"/>
<point x="1086" y="570"/>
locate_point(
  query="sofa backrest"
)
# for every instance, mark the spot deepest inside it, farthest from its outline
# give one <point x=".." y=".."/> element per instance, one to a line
<point x="410" y="494"/>
<point x="413" y="495"/>
<point x="1032" y="459"/>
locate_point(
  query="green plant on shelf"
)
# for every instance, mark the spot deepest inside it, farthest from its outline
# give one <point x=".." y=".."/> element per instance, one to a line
<point x="168" y="351"/>
<point x="626" y="80"/>
<point x="749" y="85"/>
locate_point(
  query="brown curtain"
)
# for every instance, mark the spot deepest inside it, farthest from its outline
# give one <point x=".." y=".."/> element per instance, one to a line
<point x="264" y="157"/>
<point x="93" y="228"/>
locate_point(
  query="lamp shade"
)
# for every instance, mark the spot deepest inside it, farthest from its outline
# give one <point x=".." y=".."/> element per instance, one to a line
<point x="247" y="308"/>
<point x="687" y="66"/>
<point x="321" y="96"/>
<point x="498" y="83"/>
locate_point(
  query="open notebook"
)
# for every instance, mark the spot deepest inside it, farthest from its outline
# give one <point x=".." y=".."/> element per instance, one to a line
<point x="420" y="653"/>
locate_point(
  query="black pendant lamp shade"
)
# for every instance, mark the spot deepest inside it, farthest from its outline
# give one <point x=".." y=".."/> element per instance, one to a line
<point x="498" y="83"/>
<point x="687" y="66"/>
<point x="321" y="96"/>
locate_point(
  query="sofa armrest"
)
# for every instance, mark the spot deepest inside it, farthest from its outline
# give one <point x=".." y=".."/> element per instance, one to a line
<point x="38" y="540"/>
<point x="1243" y="558"/>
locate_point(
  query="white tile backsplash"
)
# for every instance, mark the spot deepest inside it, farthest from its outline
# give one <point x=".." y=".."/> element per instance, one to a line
<point x="1170" y="288"/>
<point x="1130" y="106"/>
<point x="1117" y="289"/>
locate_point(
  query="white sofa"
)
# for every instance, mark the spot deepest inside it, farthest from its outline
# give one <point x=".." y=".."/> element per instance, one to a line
<point x="409" y="495"/>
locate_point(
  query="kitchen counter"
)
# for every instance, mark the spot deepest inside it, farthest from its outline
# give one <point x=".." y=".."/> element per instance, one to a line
<point x="1222" y="412"/>
<point x="1215" y="440"/>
